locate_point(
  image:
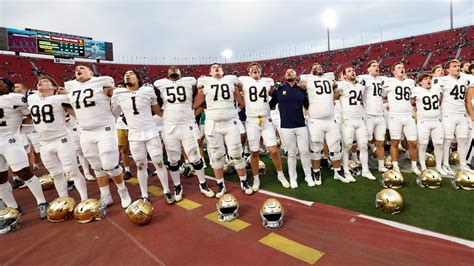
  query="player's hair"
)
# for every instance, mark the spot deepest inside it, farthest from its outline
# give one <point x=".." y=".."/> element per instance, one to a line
<point x="84" y="65"/>
<point x="140" y="83"/>
<point x="51" y="79"/>
<point x="471" y="67"/>
<point x="254" y="64"/>
<point x="216" y="64"/>
<point x="8" y="82"/>
<point x="345" y="68"/>
<point x="448" y="64"/>
<point x="421" y="77"/>
<point x="396" y="64"/>
<point x="433" y="70"/>
<point x="23" y="85"/>
<point x="464" y="63"/>
<point x="369" y="64"/>
<point x="313" y="65"/>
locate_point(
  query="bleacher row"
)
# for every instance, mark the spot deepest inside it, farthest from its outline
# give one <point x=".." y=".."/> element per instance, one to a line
<point x="419" y="53"/>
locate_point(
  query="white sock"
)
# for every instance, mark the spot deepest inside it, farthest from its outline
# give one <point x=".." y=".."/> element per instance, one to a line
<point x="219" y="181"/>
<point x="121" y="185"/>
<point x="354" y="155"/>
<point x="105" y="190"/>
<point x="438" y="153"/>
<point x="280" y="173"/>
<point x="364" y="159"/>
<point x="413" y="164"/>
<point x="463" y="147"/>
<point x="163" y="177"/>
<point x="381" y="164"/>
<point x="421" y="156"/>
<point x="6" y="194"/>
<point x="15" y="177"/>
<point x="175" y="177"/>
<point x="142" y="176"/>
<point x="395" y="165"/>
<point x="255" y="177"/>
<point x="201" y="176"/>
<point x="60" y="183"/>
<point x="446" y="149"/>
<point x="316" y="170"/>
<point x="345" y="161"/>
<point x="35" y="187"/>
<point x="84" y="163"/>
<point x="243" y="178"/>
<point x="80" y="183"/>
<point x="127" y="169"/>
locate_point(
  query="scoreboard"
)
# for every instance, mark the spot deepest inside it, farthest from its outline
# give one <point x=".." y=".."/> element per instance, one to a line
<point x="59" y="45"/>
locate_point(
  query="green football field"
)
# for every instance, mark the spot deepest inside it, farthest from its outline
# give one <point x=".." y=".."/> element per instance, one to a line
<point x="445" y="210"/>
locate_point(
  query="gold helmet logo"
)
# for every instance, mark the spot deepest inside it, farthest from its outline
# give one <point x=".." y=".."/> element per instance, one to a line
<point x="272" y="213"/>
<point x="430" y="160"/>
<point x="9" y="220"/>
<point x="227" y="208"/>
<point x="429" y="178"/>
<point x="61" y="209"/>
<point x="90" y="210"/>
<point x="140" y="212"/>
<point x="392" y="179"/>
<point x="389" y="200"/>
<point x="46" y="182"/>
<point x="463" y="179"/>
<point x="454" y="158"/>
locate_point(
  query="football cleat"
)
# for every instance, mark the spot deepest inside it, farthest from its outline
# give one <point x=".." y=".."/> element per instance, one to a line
<point x="283" y="181"/>
<point x="447" y="169"/>
<point x="18" y="183"/>
<point x="178" y="192"/>
<point x="90" y="177"/>
<point x="341" y="177"/>
<point x="293" y="183"/>
<point x="124" y="197"/>
<point x="244" y="185"/>
<point x="127" y="175"/>
<point x="256" y="184"/>
<point x="318" y="181"/>
<point x="309" y="180"/>
<point x="220" y="190"/>
<point x="43" y="210"/>
<point x="206" y="190"/>
<point x="348" y="176"/>
<point x="106" y="199"/>
<point x="168" y="198"/>
<point x="368" y="175"/>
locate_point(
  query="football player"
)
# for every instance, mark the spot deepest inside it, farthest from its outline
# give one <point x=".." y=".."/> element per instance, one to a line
<point x="255" y="90"/>
<point x="321" y="124"/>
<point x="222" y="125"/>
<point x="138" y="104"/>
<point x="428" y="113"/>
<point x="398" y="91"/>
<point x="181" y="130"/>
<point x="90" y="99"/>
<point x="453" y="109"/>
<point x="291" y="99"/>
<point x="349" y="94"/>
<point x="13" y="108"/>
<point x="374" y="109"/>
<point x="437" y="71"/>
<point x="48" y="112"/>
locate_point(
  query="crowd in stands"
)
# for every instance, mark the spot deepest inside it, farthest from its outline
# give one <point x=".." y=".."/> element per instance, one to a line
<point x="419" y="53"/>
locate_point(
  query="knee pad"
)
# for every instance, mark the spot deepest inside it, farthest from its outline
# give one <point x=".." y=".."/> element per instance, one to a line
<point x="117" y="170"/>
<point x="198" y="165"/>
<point x="335" y="156"/>
<point x="141" y="165"/>
<point x="174" y="167"/>
<point x="315" y="156"/>
<point x="217" y="163"/>
<point x="158" y="162"/>
<point x="363" y="147"/>
<point x="239" y="163"/>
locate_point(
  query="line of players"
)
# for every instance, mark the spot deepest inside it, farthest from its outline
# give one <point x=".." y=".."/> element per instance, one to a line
<point x="95" y="104"/>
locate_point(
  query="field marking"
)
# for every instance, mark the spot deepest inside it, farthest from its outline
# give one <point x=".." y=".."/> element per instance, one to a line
<point x="292" y="248"/>
<point x="155" y="190"/>
<point x="188" y="204"/>
<point x="137" y="243"/>
<point x="235" y="225"/>
<point x="418" y="230"/>
<point x="132" y="180"/>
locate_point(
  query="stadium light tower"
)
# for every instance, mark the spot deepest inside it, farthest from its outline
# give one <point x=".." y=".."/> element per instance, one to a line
<point x="227" y="54"/>
<point x="329" y="21"/>
<point x="451" y="13"/>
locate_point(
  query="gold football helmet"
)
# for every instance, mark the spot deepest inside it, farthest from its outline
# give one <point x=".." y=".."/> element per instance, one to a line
<point x="46" y="182"/>
<point x="9" y="220"/>
<point x="454" y="158"/>
<point x="229" y="167"/>
<point x="140" y="212"/>
<point x="227" y="208"/>
<point x="272" y="213"/>
<point x="388" y="162"/>
<point x="429" y="178"/>
<point x="186" y="169"/>
<point x="261" y="167"/>
<point x="389" y="200"/>
<point x="90" y="210"/>
<point x="61" y="209"/>
<point x="354" y="168"/>
<point x="430" y="160"/>
<point x="463" y="179"/>
<point x="392" y="179"/>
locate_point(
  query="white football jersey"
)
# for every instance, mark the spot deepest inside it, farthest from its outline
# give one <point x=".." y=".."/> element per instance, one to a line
<point x="256" y="96"/>
<point x="177" y="99"/>
<point x="372" y="94"/>
<point x="12" y="109"/>
<point x="120" y="123"/>
<point x="351" y="99"/>
<point x="320" y="96"/>
<point x="469" y="78"/>
<point x="219" y="94"/>
<point x="91" y="105"/>
<point x="428" y="103"/>
<point x="136" y="106"/>
<point x="49" y="116"/>
<point x="398" y="94"/>
<point x="454" y="92"/>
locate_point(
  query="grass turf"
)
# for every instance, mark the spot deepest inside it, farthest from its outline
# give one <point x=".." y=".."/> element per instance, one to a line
<point x="445" y="210"/>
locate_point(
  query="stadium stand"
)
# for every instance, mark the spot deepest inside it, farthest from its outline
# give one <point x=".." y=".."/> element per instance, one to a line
<point x="419" y="53"/>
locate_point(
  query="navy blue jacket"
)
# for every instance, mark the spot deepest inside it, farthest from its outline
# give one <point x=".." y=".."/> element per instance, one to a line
<point x="291" y="101"/>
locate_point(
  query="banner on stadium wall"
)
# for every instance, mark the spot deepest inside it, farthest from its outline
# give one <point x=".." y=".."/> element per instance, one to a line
<point x="68" y="61"/>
